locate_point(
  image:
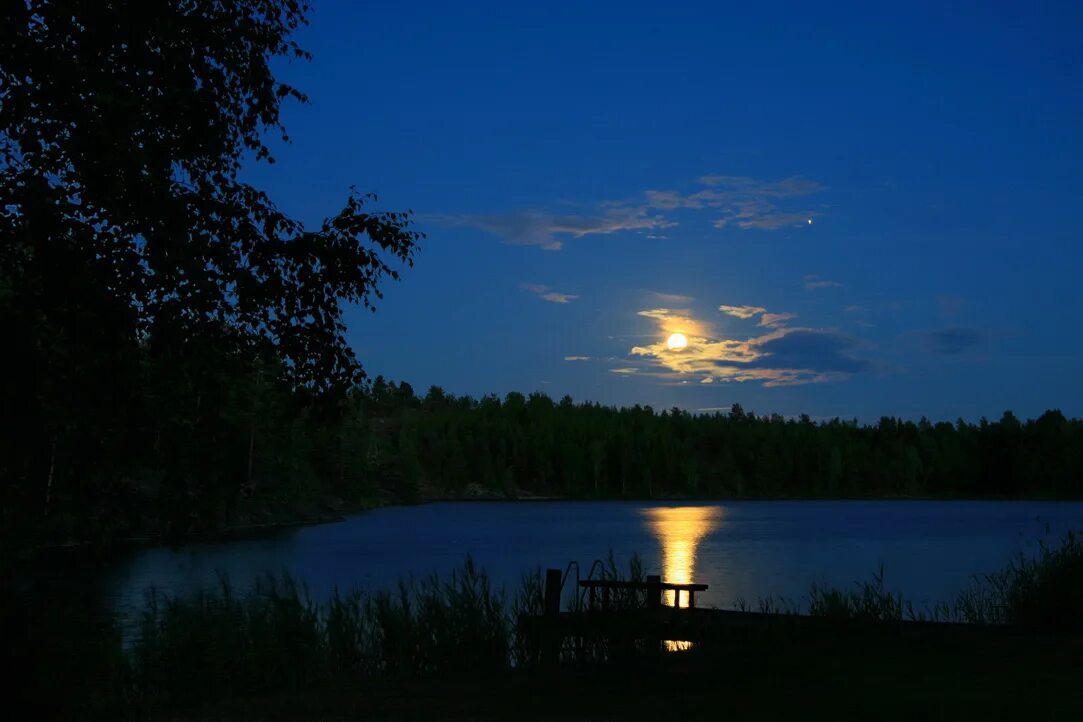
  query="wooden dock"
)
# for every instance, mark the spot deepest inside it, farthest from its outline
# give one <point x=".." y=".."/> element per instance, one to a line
<point x="601" y="613"/>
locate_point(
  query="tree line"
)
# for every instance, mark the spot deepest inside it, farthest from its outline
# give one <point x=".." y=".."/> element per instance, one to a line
<point x="530" y="444"/>
<point x="196" y="452"/>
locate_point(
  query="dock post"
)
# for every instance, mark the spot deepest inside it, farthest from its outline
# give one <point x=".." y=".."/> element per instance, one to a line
<point x="552" y="639"/>
<point x="654" y="601"/>
<point x="552" y="592"/>
<point x="654" y="591"/>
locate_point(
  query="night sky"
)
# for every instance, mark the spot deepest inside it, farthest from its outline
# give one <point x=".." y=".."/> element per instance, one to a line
<point x="846" y="211"/>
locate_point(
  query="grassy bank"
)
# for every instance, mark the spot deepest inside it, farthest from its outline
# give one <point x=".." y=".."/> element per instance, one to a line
<point x="455" y="648"/>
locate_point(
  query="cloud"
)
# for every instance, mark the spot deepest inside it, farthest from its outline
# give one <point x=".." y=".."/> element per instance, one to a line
<point x="546" y="293"/>
<point x="764" y="220"/>
<point x="678" y="320"/>
<point x="745" y="202"/>
<point x="953" y="341"/>
<point x="748" y="203"/>
<point x="813" y="282"/>
<point x="671" y="298"/>
<point x="773" y="320"/>
<point x="780" y="357"/>
<point x="624" y="371"/>
<point x="827" y="351"/>
<point x="577" y="358"/>
<point x="550" y="231"/>
<point x="785" y="188"/>
<point x="658" y="313"/>
<point x="742" y="311"/>
<point x="767" y="319"/>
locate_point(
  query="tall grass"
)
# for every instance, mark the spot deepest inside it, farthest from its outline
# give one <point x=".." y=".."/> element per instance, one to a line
<point x="602" y="649"/>
<point x="208" y="645"/>
<point x="870" y="601"/>
<point x="1042" y="593"/>
<point x="198" y="649"/>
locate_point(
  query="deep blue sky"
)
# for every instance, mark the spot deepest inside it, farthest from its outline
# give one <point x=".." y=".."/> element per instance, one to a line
<point x="594" y="176"/>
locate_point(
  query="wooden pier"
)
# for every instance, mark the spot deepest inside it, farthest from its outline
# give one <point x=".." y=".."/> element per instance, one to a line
<point x="597" y="615"/>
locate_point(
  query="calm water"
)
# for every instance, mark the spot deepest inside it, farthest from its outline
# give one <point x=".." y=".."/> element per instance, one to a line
<point x="747" y="549"/>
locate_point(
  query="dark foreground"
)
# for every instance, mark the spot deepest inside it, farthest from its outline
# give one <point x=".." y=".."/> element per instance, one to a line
<point x="1018" y="679"/>
<point x="856" y="672"/>
<point x="1010" y="648"/>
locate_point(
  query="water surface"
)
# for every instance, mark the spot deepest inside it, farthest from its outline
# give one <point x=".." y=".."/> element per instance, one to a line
<point x="743" y="550"/>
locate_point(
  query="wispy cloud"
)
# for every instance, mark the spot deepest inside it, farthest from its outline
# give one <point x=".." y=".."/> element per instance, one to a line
<point x="742" y="311"/>
<point x="747" y="203"/>
<point x="780" y="357"/>
<point x="546" y="293"/>
<point x="767" y="319"/>
<point x="550" y="231"/>
<point x="672" y="299"/>
<point x="577" y="358"/>
<point x="764" y="220"/>
<point x="774" y="320"/>
<point x="813" y="282"/>
<point x="624" y="371"/>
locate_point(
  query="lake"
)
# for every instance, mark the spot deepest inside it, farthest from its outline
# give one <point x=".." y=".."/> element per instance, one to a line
<point x="743" y="549"/>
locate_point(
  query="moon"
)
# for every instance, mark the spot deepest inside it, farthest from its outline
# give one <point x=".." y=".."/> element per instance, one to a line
<point x="676" y="341"/>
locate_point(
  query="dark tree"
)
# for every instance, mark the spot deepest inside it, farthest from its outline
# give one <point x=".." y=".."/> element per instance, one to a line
<point x="127" y="237"/>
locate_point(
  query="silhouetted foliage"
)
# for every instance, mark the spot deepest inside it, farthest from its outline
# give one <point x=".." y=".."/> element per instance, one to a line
<point x="139" y="275"/>
<point x="460" y="445"/>
<point x="276" y="644"/>
<point x="1042" y="593"/>
<point x="273" y="448"/>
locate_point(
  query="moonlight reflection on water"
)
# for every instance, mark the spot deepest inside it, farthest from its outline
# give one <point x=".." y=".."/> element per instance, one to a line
<point x="679" y="530"/>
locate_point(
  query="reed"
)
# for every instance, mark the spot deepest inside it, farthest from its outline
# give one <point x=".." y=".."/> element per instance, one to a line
<point x="1041" y="593"/>
<point x="193" y="651"/>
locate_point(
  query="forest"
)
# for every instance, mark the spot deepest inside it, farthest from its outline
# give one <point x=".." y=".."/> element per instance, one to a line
<point x="192" y="453"/>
